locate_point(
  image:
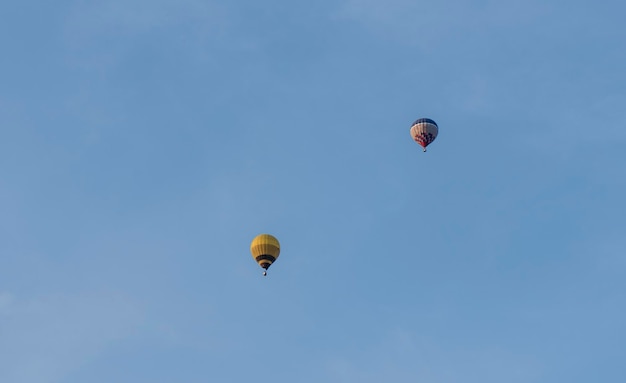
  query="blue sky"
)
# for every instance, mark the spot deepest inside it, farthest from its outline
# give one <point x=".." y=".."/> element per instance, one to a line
<point x="143" y="144"/>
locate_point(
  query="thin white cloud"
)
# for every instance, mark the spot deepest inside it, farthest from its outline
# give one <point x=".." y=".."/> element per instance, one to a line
<point x="425" y="23"/>
<point x="6" y="299"/>
<point x="45" y="339"/>
<point x="404" y="356"/>
<point x="100" y="34"/>
<point x="140" y="16"/>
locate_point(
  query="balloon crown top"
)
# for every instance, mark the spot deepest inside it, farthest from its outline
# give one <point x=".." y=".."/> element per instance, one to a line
<point x="265" y="239"/>
<point x="425" y="120"/>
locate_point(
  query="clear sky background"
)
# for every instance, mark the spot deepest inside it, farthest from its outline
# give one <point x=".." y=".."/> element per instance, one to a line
<point x="144" y="143"/>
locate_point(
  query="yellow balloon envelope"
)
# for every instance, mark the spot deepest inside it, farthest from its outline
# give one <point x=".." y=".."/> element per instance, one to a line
<point x="265" y="249"/>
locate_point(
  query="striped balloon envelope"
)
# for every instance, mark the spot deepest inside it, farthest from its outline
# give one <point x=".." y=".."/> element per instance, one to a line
<point x="265" y="249"/>
<point x="424" y="131"/>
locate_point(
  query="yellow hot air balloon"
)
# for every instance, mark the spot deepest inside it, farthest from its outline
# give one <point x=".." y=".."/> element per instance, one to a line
<point x="265" y="249"/>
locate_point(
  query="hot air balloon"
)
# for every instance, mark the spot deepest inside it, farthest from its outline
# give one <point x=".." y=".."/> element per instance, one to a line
<point x="265" y="249"/>
<point x="424" y="131"/>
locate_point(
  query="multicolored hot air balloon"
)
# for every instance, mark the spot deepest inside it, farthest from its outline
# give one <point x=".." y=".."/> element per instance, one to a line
<point x="265" y="249"/>
<point x="424" y="131"/>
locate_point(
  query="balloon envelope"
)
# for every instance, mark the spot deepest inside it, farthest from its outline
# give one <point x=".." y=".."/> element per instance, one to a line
<point x="424" y="131"/>
<point x="265" y="249"/>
